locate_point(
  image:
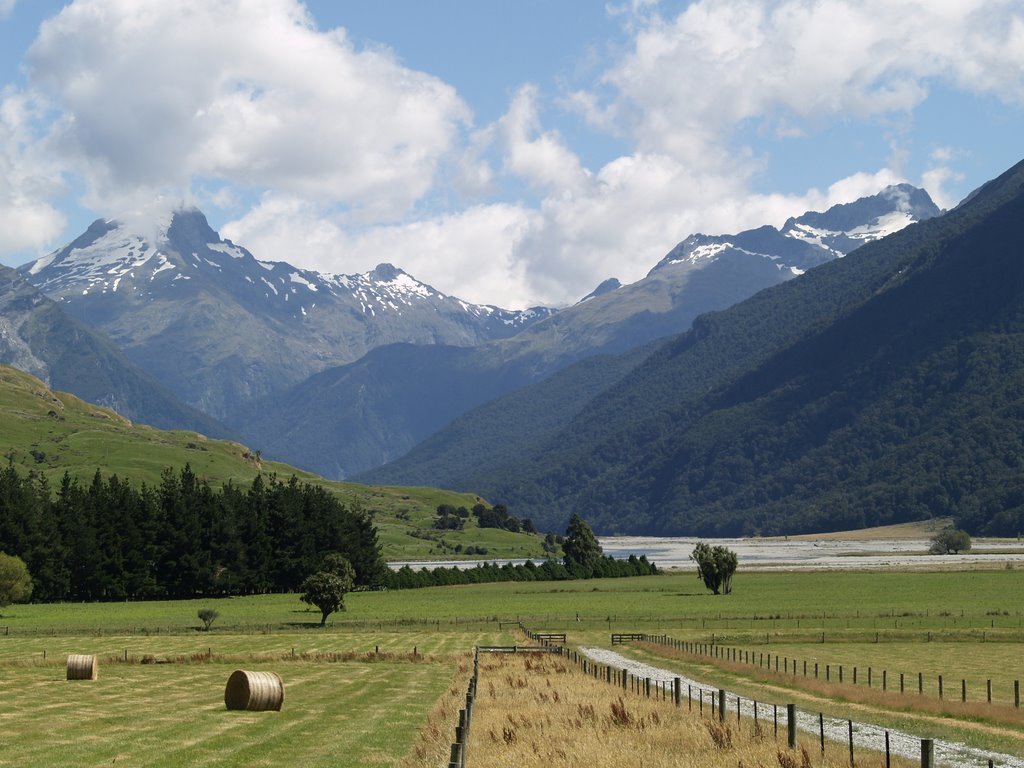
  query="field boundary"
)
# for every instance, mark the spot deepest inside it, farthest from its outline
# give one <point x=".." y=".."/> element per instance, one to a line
<point x="829" y="673"/>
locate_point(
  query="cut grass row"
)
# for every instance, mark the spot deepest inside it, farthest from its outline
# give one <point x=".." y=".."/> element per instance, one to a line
<point x="347" y="714"/>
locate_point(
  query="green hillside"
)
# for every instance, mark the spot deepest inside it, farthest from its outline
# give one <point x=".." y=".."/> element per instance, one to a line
<point x="50" y="433"/>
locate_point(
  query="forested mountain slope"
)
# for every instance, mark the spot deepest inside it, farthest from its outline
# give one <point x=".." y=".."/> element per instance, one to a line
<point x="884" y="386"/>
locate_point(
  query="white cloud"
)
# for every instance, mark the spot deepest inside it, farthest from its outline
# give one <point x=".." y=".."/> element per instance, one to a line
<point x="28" y="180"/>
<point x="542" y="159"/>
<point x="6" y="6"/>
<point x="690" y="80"/>
<point x="157" y="94"/>
<point x="470" y="254"/>
<point x="356" y="159"/>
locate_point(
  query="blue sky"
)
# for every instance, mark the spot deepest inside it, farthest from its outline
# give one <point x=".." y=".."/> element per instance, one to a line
<point x="507" y="153"/>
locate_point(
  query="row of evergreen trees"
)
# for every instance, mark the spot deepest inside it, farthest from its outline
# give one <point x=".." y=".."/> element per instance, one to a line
<point x="605" y="567"/>
<point x="109" y="540"/>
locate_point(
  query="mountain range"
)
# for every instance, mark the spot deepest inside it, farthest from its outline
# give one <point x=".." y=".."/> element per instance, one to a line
<point x="222" y="329"/>
<point x="349" y="419"/>
<point x="340" y="374"/>
<point x="877" y="388"/>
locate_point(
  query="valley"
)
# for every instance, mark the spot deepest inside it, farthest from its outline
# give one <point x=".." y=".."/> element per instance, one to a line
<point x="511" y="385"/>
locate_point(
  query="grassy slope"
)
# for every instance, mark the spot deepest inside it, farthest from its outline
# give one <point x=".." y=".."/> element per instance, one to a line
<point x="53" y="432"/>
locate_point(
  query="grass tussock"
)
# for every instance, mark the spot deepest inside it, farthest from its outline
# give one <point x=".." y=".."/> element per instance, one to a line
<point x="545" y="712"/>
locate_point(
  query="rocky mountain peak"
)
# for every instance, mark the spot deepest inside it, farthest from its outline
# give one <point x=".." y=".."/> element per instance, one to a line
<point x="385" y="272"/>
<point x="606" y="286"/>
<point x="189" y="226"/>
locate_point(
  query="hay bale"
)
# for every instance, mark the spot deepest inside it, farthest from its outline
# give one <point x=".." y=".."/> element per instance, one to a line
<point x="254" y="691"/>
<point x="82" y="667"/>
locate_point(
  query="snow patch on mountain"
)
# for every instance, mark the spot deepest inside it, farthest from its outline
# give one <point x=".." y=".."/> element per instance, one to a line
<point x="110" y="255"/>
<point x="822" y="236"/>
<point x="230" y="249"/>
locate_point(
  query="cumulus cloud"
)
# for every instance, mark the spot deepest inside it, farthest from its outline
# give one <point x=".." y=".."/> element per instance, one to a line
<point x="156" y="95"/>
<point x="691" y="78"/>
<point x="28" y="179"/>
<point x="540" y="158"/>
<point x="355" y="159"/>
<point x="470" y="253"/>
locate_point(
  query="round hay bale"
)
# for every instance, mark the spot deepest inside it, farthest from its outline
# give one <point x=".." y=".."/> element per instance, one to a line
<point x="254" y="691"/>
<point x="82" y="667"/>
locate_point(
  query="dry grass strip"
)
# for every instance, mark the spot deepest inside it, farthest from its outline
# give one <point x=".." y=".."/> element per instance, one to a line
<point x="532" y="712"/>
<point x="433" y="745"/>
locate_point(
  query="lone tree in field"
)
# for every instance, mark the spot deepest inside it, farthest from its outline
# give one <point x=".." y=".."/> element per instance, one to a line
<point x="950" y="542"/>
<point x="327" y="587"/>
<point x="15" y="581"/>
<point x="715" y="567"/>
<point x="207" y="616"/>
<point x="582" y="552"/>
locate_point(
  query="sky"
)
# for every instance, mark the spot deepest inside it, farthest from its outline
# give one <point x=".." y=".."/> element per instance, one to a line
<point x="515" y="154"/>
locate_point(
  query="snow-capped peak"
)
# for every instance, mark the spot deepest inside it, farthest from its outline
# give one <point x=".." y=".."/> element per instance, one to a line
<point x="182" y="253"/>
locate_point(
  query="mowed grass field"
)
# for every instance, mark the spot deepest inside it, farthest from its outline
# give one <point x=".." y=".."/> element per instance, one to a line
<point x="383" y="679"/>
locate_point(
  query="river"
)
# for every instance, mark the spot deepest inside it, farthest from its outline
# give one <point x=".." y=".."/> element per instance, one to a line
<point x="823" y="553"/>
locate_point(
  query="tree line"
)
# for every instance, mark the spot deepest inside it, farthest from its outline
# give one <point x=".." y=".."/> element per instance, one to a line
<point x="606" y="567"/>
<point x="583" y="559"/>
<point x="108" y="540"/>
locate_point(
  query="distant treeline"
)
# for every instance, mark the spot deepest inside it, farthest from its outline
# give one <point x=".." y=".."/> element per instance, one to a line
<point x="108" y="540"/>
<point x="550" y="570"/>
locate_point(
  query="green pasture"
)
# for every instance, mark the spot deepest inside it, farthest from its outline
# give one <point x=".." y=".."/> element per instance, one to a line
<point x="775" y="603"/>
<point x="955" y="662"/>
<point x="334" y="714"/>
<point x="358" y="690"/>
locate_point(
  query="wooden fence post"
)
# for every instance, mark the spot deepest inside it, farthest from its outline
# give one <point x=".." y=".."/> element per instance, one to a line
<point x="791" y="724"/>
<point x="849" y="724"/>
<point x="721" y="704"/>
<point x="677" y="691"/>
<point x="927" y="753"/>
<point x="456" y="756"/>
